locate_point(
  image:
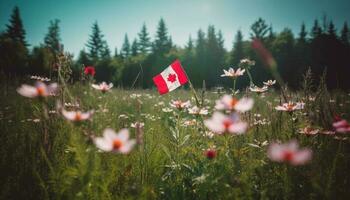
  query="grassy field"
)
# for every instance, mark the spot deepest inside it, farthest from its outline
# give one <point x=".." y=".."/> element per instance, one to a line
<point x="45" y="156"/>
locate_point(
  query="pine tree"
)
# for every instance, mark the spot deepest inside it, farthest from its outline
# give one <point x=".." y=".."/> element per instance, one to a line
<point x="316" y="30"/>
<point x="52" y="39"/>
<point x="237" y="50"/>
<point x="331" y="29"/>
<point x="105" y="51"/>
<point x="302" y="34"/>
<point x="189" y="46"/>
<point x="144" y="40"/>
<point x="259" y="29"/>
<point x="96" y="44"/>
<point x="344" y="35"/>
<point x="125" y="51"/>
<point x="134" y="48"/>
<point x="15" y="29"/>
<point x="162" y="43"/>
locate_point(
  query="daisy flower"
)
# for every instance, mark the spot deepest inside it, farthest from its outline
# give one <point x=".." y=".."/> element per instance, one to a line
<point x="258" y="89"/>
<point x="309" y="131"/>
<point x="115" y="142"/>
<point x="289" y="153"/>
<point x="270" y="83"/>
<point x="232" y="73"/>
<point x="290" y="106"/>
<point x="246" y="63"/>
<point x="103" y="87"/>
<point x="220" y="123"/>
<point x="180" y="104"/>
<point x="227" y="102"/>
<point x="40" y="89"/>
<point x="197" y="111"/>
<point x="76" y="116"/>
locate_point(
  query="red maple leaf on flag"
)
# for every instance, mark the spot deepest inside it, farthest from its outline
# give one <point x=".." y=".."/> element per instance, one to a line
<point x="171" y="78"/>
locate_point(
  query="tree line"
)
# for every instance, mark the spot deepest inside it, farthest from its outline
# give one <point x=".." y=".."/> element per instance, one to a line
<point x="322" y="48"/>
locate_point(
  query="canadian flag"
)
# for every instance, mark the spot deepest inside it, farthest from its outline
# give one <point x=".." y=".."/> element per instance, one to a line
<point x="171" y="78"/>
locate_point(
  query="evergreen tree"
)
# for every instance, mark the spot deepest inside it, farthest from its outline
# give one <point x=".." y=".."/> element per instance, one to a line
<point x="344" y="35"/>
<point x="144" y="40"/>
<point x="237" y="50"/>
<point x="162" y="43"/>
<point x="189" y="46"/>
<point x="331" y="29"/>
<point x="134" y="48"/>
<point x="316" y="30"/>
<point x="259" y="29"/>
<point x="96" y="44"/>
<point x="105" y="51"/>
<point x="125" y="51"/>
<point x="302" y="34"/>
<point x="15" y="29"/>
<point x="116" y="55"/>
<point x="52" y="39"/>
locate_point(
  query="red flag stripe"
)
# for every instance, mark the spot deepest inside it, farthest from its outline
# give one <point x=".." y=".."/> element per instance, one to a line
<point x="161" y="85"/>
<point x="179" y="71"/>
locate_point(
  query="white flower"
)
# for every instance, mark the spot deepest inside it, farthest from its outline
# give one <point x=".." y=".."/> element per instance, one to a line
<point x="180" y="104"/>
<point x="77" y="116"/>
<point x="258" y="89"/>
<point x="39" y="90"/>
<point x="115" y="142"/>
<point x="246" y="63"/>
<point x="232" y="73"/>
<point x="290" y="106"/>
<point x="220" y="123"/>
<point x="270" y="82"/>
<point x="228" y="102"/>
<point x="103" y="87"/>
<point x="137" y="125"/>
<point x="289" y="152"/>
<point x="197" y="111"/>
<point x="166" y="110"/>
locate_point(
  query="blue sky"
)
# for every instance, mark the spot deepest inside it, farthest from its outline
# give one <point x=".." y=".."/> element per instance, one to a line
<point x="183" y="17"/>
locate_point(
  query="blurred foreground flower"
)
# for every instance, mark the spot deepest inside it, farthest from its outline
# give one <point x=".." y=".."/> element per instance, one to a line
<point x="103" y="87"/>
<point x="115" y="142"/>
<point x="228" y="102"/>
<point x="40" y="89"/>
<point x="77" y="116"/>
<point x="341" y="126"/>
<point x="290" y="106"/>
<point x="220" y="123"/>
<point x="289" y="152"/>
<point x="232" y="73"/>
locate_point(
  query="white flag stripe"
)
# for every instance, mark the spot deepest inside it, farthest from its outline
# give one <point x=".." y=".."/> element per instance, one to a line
<point x="171" y="85"/>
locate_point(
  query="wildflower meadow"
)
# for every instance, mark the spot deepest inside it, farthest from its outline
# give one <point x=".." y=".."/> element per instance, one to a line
<point x="82" y="131"/>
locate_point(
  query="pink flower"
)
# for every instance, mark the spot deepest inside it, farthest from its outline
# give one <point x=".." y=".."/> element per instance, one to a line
<point x="228" y="102"/>
<point x="232" y="73"/>
<point x="40" y="89"/>
<point x="220" y="123"/>
<point x="103" y="87"/>
<point x="77" y="116"/>
<point x="115" y="142"/>
<point x="180" y="105"/>
<point x="290" y="106"/>
<point x="341" y="126"/>
<point x="289" y="153"/>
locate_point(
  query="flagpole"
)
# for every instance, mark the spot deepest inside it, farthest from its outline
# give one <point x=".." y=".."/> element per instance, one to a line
<point x="193" y="90"/>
